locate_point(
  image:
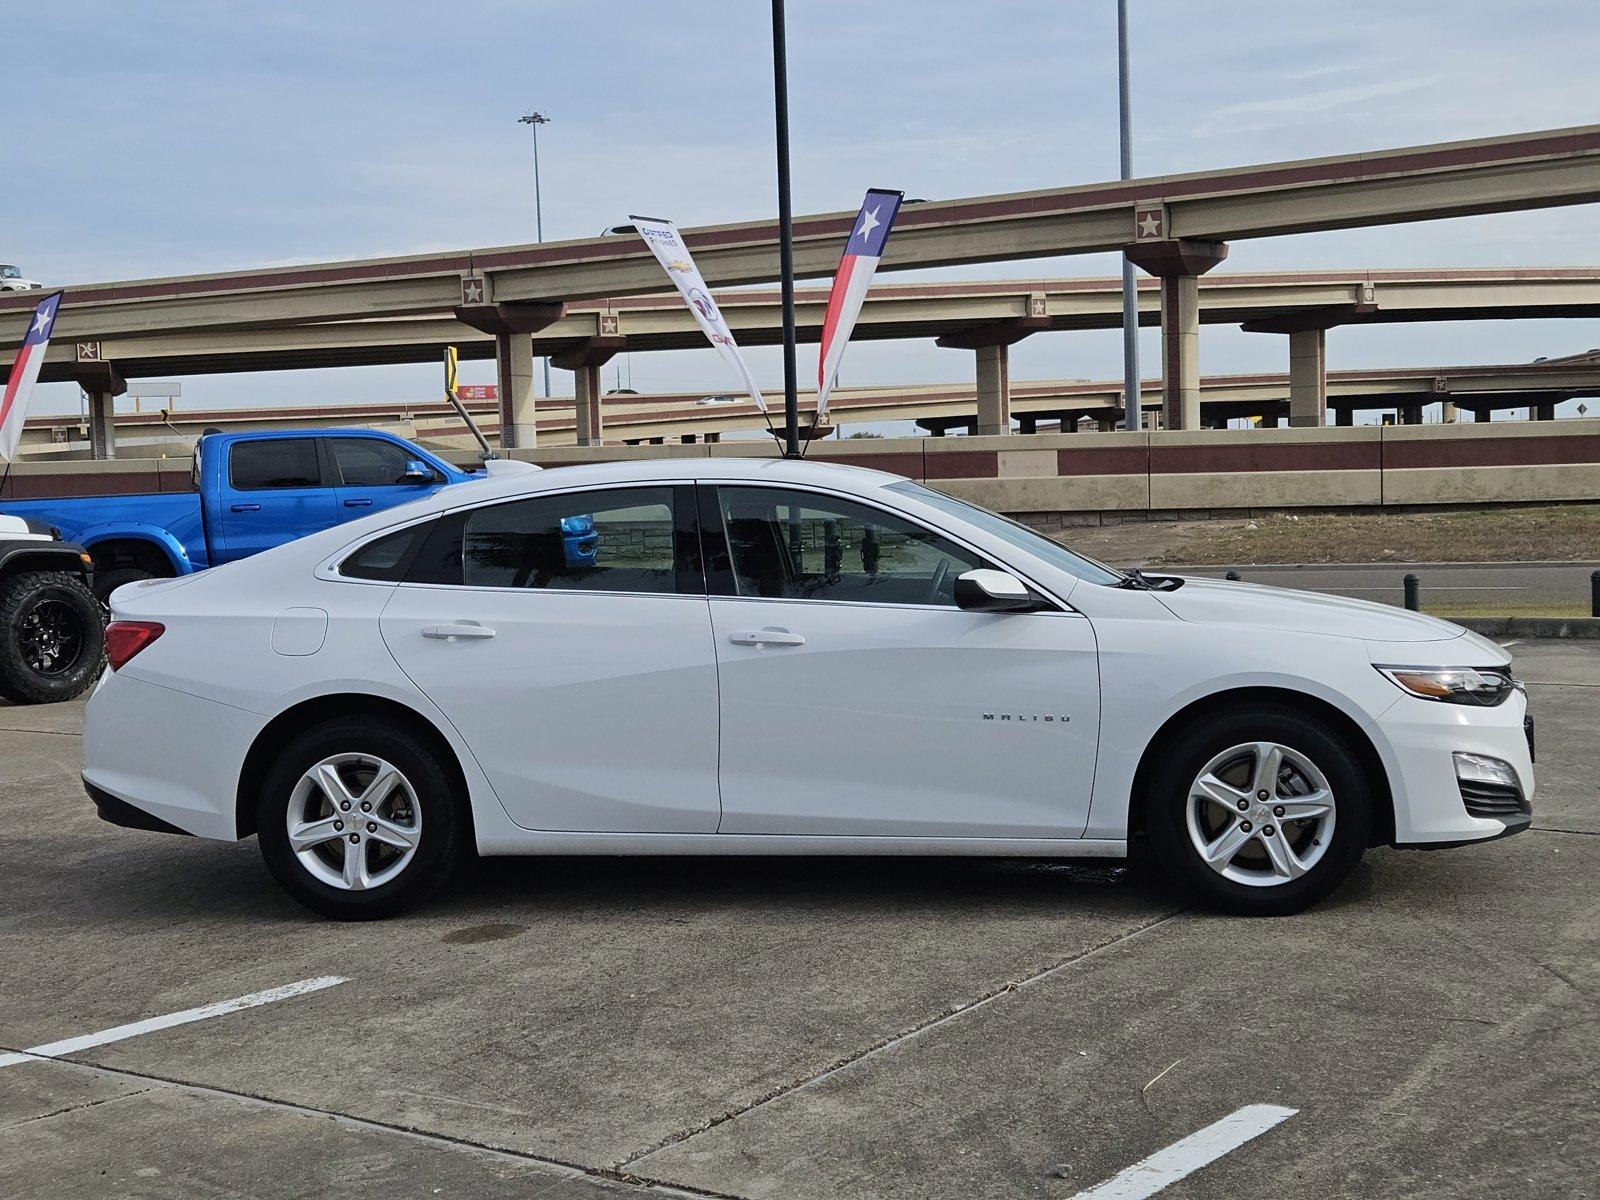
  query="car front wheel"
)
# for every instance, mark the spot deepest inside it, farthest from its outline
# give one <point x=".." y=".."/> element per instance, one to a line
<point x="1260" y="812"/>
<point x="359" y="819"/>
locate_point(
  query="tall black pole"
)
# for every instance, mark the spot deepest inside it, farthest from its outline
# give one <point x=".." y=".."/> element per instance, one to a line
<point x="1131" y="390"/>
<point x="780" y="89"/>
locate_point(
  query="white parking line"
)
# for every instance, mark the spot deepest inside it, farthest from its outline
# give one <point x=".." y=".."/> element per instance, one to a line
<point x="151" y="1024"/>
<point x="1204" y="1146"/>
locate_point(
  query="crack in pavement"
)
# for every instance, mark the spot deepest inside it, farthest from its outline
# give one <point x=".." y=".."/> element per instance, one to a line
<point x="71" y="1108"/>
<point x="555" y="1166"/>
<point x="896" y="1039"/>
<point x="1549" y="829"/>
<point x="49" y="732"/>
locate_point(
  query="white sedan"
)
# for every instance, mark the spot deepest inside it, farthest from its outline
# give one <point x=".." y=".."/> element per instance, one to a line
<point x="725" y="656"/>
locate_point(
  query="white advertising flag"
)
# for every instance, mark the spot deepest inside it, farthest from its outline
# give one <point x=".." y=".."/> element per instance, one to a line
<point x="665" y="243"/>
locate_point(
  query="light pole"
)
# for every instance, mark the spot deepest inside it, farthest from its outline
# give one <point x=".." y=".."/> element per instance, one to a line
<point x="1133" y="418"/>
<point x="534" y="120"/>
<point x="780" y="90"/>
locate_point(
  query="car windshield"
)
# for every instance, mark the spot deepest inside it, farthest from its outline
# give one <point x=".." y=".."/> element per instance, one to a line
<point x="10" y="273"/>
<point x="1016" y="534"/>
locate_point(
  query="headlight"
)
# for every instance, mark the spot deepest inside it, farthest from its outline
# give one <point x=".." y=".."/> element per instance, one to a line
<point x="1483" y="686"/>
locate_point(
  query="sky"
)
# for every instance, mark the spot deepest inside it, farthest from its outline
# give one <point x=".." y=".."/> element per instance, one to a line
<point x="171" y="137"/>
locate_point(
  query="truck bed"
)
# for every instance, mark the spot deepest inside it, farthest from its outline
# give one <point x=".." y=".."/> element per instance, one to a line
<point x="177" y="514"/>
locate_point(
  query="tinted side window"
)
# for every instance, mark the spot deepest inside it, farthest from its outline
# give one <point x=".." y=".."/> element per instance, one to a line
<point x="805" y="546"/>
<point x="277" y="463"/>
<point x="386" y="557"/>
<point x="620" y="540"/>
<point x="368" y="462"/>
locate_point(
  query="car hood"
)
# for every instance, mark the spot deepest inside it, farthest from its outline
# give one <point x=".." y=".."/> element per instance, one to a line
<point x="1212" y="601"/>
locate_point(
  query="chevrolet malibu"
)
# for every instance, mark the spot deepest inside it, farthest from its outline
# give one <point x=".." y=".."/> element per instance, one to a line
<point x="779" y="657"/>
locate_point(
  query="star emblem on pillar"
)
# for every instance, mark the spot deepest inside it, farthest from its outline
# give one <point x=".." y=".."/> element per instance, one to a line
<point x="472" y="290"/>
<point x="608" y="323"/>
<point x="1036" y="306"/>
<point x="88" y="352"/>
<point x="1149" y="223"/>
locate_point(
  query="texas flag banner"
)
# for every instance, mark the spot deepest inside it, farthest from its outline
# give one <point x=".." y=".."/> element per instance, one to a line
<point x="850" y="284"/>
<point x="665" y="243"/>
<point x="24" y="373"/>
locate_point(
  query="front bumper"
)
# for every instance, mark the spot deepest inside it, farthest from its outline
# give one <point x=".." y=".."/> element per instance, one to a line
<point x="1422" y="737"/>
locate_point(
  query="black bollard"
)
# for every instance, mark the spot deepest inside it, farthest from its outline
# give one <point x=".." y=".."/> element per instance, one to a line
<point x="1234" y="575"/>
<point x="1413" y="587"/>
<point x="1594" y="593"/>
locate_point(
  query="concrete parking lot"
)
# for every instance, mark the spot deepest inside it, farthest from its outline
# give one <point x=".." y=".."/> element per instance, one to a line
<point x="806" y="1029"/>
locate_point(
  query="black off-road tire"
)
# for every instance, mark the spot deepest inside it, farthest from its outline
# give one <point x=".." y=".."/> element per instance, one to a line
<point x="1167" y="797"/>
<point x="446" y="833"/>
<point x="69" y="604"/>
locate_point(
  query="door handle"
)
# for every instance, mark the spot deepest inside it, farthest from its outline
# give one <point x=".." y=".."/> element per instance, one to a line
<point x="767" y="637"/>
<point x="246" y="508"/>
<point x="358" y="503"/>
<point x="463" y="631"/>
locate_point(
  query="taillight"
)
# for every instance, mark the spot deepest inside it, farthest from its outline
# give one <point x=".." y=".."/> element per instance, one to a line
<point x="124" y="639"/>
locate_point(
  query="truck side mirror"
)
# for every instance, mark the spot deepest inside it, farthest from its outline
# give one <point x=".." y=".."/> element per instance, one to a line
<point x="988" y="590"/>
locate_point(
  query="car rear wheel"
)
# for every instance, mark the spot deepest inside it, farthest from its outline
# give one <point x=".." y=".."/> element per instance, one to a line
<point x="1260" y="812"/>
<point x="359" y="819"/>
<point x="52" y="640"/>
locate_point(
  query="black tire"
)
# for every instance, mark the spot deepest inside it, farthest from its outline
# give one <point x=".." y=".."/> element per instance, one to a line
<point x="52" y="638"/>
<point x="1167" y="798"/>
<point x="445" y="839"/>
<point x="106" y="582"/>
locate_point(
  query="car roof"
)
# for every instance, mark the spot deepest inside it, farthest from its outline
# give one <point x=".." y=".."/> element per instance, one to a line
<point x="777" y="471"/>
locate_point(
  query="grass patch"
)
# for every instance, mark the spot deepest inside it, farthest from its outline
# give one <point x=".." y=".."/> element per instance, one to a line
<point x="1555" y="533"/>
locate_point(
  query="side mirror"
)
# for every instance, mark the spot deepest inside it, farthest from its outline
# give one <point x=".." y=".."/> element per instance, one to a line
<point x="986" y="590"/>
<point x="417" y="471"/>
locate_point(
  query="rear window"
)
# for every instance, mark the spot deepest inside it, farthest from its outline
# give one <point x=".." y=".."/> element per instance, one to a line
<point x="386" y="558"/>
<point x="279" y="463"/>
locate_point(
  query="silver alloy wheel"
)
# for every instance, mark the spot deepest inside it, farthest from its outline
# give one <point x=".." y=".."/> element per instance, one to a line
<point x="1260" y="814"/>
<point x="354" y="821"/>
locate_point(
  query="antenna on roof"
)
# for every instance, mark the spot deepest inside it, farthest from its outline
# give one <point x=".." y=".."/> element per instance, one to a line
<point x="451" y="357"/>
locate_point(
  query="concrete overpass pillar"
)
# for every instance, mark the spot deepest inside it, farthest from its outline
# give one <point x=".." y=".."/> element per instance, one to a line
<point x="1308" y="377"/>
<point x="1344" y="416"/>
<point x="992" y="344"/>
<point x="1178" y="263"/>
<point x="102" y="383"/>
<point x="994" y="390"/>
<point x="1448" y="413"/>
<point x="513" y="360"/>
<point x="511" y="324"/>
<point x="590" y="427"/>
<point x="1543" y="412"/>
<point x="585" y="360"/>
<point x="1308" y="350"/>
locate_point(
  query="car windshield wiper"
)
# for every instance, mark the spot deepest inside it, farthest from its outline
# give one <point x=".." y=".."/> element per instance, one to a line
<point x="1135" y="579"/>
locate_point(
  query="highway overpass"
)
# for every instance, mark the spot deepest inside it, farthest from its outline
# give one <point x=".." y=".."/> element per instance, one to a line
<point x="1177" y="228"/>
<point x="937" y="408"/>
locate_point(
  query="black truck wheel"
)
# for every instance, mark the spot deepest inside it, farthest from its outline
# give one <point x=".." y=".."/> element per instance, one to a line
<point x="52" y="639"/>
<point x="106" y="582"/>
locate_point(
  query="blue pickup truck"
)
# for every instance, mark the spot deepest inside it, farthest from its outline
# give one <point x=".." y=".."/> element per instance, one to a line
<point x="251" y="491"/>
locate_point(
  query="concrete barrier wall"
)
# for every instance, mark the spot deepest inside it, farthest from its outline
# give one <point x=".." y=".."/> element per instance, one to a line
<point x="1108" y="476"/>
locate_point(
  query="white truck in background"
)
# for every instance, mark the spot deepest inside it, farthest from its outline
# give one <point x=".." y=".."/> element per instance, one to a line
<point x="11" y="280"/>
